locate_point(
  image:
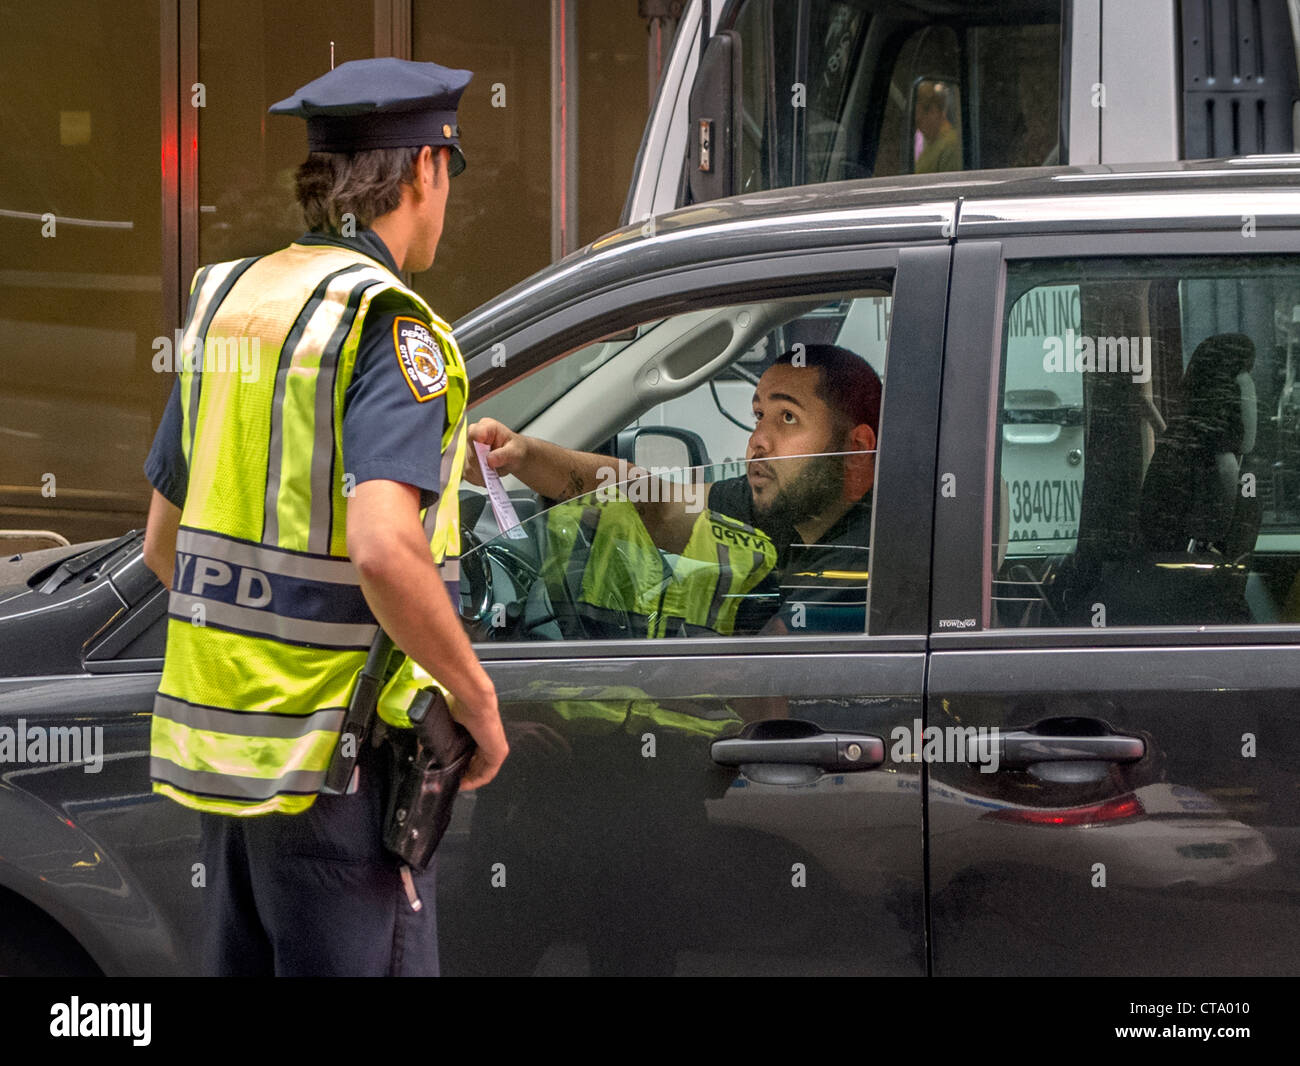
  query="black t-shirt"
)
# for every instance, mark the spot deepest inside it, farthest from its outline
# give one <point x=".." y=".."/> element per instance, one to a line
<point x="388" y="434"/>
<point x="828" y="578"/>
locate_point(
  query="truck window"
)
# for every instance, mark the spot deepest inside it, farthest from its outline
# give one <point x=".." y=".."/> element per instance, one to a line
<point x="838" y="89"/>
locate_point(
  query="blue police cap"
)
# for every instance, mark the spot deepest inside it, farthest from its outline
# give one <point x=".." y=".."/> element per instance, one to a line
<point x="381" y="103"/>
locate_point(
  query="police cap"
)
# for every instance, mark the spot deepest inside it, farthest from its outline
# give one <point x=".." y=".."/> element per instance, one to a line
<point x="381" y="103"/>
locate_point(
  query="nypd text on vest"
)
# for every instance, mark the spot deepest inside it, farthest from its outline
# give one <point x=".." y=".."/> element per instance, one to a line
<point x="195" y="574"/>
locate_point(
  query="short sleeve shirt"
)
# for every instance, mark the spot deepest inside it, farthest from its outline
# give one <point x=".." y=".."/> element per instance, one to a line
<point x="392" y="428"/>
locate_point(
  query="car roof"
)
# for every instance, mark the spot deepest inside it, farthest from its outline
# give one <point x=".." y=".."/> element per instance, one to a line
<point x="919" y="208"/>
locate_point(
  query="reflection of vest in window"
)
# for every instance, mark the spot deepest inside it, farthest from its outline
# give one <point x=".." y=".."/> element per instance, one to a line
<point x="268" y="625"/>
<point x="603" y="567"/>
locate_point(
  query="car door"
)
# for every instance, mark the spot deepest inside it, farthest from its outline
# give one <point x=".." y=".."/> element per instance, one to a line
<point x="621" y="837"/>
<point x="84" y="841"/>
<point x="1114" y="630"/>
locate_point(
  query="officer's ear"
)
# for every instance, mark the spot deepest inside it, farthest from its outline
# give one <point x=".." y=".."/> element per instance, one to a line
<point x="430" y="169"/>
<point x="440" y="159"/>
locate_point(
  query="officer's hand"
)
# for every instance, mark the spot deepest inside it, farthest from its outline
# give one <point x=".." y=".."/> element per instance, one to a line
<point x="483" y="720"/>
<point x="485" y="762"/>
<point x="507" y="449"/>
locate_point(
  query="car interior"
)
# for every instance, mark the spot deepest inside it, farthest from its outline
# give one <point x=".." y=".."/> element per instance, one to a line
<point x="673" y="396"/>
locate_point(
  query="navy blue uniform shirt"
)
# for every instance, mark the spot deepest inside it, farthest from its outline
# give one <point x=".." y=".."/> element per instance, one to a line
<point x="387" y="434"/>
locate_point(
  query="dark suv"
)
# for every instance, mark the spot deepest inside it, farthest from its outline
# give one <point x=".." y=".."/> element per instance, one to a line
<point x="1041" y="719"/>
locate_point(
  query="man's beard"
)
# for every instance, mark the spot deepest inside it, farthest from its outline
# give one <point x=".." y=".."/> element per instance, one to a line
<point x="818" y="488"/>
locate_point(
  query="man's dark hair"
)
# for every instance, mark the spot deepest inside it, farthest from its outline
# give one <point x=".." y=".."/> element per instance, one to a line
<point x="846" y="383"/>
<point x="364" y="184"/>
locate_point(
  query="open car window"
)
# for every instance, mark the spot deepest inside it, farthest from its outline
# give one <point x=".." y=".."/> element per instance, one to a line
<point x="682" y="553"/>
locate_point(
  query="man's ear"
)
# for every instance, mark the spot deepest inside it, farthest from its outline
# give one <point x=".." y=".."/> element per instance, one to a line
<point x="425" y="171"/>
<point x="439" y="159"/>
<point x="860" y="469"/>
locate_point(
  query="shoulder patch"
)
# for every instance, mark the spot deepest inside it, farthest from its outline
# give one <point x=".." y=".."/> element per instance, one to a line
<point x="420" y="357"/>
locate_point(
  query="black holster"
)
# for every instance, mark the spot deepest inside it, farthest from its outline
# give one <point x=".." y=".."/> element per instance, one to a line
<point x="427" y="765"/>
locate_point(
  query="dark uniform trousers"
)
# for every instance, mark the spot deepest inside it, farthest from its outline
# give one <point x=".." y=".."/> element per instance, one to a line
<point x="315" y="894"/>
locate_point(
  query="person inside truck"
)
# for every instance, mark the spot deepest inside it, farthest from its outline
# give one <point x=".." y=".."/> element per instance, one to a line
<point x="942" y="149"/>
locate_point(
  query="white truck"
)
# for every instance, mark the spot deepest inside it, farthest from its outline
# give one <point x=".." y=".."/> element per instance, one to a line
<point x="760" y="94"/>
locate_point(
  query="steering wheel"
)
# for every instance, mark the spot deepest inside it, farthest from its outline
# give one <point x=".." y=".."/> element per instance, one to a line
<point x="475" y="572"/>
<point x="485" y="566"/>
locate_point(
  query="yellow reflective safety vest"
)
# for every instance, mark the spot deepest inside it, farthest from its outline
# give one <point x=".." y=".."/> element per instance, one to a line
<point x="602" y="564"/>
<point x="268" y="626"/>
<point x="601" y="546"/>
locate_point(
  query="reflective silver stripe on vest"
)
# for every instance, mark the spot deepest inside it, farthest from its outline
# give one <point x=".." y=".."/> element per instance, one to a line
<point x="344" y="636"/>
<point x="719" y="593"/>
<point x="248" y="723"/>
<point x="332" y="570"/>
<point x="449" y="453"/>
<point x="444" y="474"/>
<point x="322" y="453"/>
<point x="223" y="785"/>
<point x="450" y="573"/>
<point x="314" y="326"/>
<point x="211" y="287"/>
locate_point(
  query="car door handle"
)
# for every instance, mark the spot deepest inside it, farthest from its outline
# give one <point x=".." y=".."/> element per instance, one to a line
<point x="791" y="742"/>
<point x="1022" y="749"/>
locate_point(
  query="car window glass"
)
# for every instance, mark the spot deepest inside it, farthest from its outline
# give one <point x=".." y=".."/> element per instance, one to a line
<point x="686" y="552"/>
<point x="836" y="33"/>
<point x="1148" y="452"/>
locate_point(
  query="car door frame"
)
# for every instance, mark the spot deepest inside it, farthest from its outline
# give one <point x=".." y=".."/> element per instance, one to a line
<point x="887" y="666"/>
<point x="899" y="596"/>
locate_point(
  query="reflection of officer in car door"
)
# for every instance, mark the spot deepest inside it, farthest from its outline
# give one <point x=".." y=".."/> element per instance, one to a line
<point x="632" y="828"/>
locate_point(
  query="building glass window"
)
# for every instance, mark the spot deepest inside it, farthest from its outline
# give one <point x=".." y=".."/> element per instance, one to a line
<point x="80" y="283"/>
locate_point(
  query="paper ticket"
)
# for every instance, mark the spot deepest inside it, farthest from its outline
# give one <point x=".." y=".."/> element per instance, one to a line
<point x="502" y="508"/>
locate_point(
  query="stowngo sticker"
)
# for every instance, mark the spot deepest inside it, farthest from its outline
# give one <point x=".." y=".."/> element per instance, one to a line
<point x="420" y="358"/>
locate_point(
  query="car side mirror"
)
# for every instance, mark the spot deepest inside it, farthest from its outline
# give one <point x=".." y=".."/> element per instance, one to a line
<point x="934" y="126"/>
<point x="661" y="446"/>
<point x="713" y="140"/>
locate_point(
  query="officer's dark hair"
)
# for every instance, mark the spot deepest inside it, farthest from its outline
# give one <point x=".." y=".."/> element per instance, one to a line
<point x="364" y="184"/>
<point x="846" y="383"/>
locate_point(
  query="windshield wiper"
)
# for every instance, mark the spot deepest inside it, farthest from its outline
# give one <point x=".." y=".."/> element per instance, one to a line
<point x="79" y="564"/>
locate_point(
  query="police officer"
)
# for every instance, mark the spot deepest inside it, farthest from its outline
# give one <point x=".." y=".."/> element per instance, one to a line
<point x="299" y="504"/>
